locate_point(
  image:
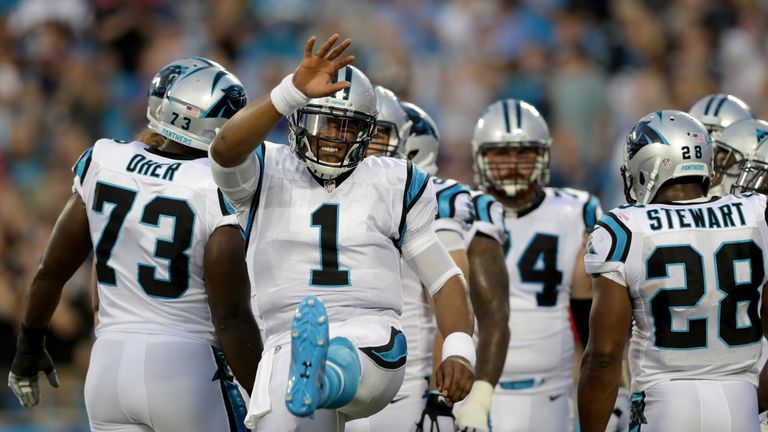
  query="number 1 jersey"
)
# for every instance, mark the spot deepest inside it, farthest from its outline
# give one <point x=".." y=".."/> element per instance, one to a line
<point x="150" y="214"/>
<point x="341" y="243"/>
<point x="695" y="274"/>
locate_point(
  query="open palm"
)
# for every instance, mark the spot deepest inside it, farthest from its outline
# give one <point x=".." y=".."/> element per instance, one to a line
<point x="314" y="74"/>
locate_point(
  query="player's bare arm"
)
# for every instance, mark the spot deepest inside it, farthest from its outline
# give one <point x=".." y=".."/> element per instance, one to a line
<point x="601" y="365"/>
<point x="455" y="376"/>
<point x="247" y="129"/>
<point x="489" y="291"/>
<point x="461" y="260"/>
<point x="68" y="247"/>
<point x="581" y="296"/>
<point x="229" y="293"/>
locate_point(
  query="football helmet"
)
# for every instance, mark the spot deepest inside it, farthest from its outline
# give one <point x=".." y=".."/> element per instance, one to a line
<point x="423" y="142"/>
<point x="163" y="80"/>
<point x="197" y="105"/>
<point x="662" y="146"/>
<point x="511" y="124"/>
<point x="734" y="144"/>
<point x="718" y="111"/>
<point x="331" y="134"/>
<point x="392" y="125"/>
<point x="752" y="175"/>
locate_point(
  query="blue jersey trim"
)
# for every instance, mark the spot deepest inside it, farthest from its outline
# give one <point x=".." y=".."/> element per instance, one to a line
<point x="260" y="155"/>
<point x="82" y="165"/>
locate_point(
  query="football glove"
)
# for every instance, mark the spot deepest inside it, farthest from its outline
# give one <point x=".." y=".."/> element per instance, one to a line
<point x="472" y="414"/>
<point x="31" y="357"/>
<point x="619" y="420"/>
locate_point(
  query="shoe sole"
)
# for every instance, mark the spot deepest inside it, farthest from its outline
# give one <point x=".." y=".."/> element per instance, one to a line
<point x="309" y="350"/>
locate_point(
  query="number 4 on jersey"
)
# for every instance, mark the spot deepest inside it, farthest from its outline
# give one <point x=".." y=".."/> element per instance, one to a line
<point x="538" y="265"/>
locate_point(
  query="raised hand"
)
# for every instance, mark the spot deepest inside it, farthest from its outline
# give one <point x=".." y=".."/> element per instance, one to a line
<point x="315" y="71"/>
<point x="454" y="378"/>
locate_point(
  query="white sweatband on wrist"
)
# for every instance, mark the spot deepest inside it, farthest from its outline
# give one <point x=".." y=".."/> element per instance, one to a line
<point x="459" y="344"/>
<point x="286" y="97"/>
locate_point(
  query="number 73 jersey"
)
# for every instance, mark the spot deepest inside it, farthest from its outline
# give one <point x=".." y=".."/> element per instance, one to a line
<point x="695" y="274"/>
<point x="150" y="214"/>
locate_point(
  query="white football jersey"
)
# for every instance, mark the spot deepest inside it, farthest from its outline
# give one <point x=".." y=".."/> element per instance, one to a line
<point x="695" y="273"/>
<point x="546" y="240"/>
<point x="340" y="244"/>
<point x="454" y="213"/>
<point x="150" y="214"/>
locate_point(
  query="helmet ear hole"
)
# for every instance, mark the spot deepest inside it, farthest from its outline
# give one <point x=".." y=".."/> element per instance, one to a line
<point x="642" y="179"/>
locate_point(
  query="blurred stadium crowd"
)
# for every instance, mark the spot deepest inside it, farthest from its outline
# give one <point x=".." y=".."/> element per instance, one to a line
<point x="72" y="71"/>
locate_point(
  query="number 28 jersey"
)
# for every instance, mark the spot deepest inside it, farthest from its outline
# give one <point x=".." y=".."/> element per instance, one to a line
<point x="150" y="214"/>
<point x="695" y="273"/>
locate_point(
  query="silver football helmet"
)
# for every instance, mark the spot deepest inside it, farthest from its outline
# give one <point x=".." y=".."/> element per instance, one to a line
<point x="163" y="80"/>
<point x="753" y="168"/>
<point x="662" y="146"/>
<point x="517" y="125"/>
<point x="197" y="105"/>
<point x="392" y="125"/>
<point x="331" y="134"/>
<point x="718" y="111"/>
<point x="734" y="144"/>
<point x="422" y="144"/>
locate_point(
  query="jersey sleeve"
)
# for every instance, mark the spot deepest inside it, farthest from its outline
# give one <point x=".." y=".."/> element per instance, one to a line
<point x="489" y="218"/>
<point x="240" y="183"/>
<point x="419" y="207"/>
<point x="80" y="170"/>
<point x="455" y="211"/>
<point x="607" y="249"/>
<point x="591" y="213"/>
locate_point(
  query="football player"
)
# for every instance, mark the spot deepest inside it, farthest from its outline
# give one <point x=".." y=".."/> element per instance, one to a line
<point x="325" y="229"/>
<point x="548" y="227"/>
<point x="172" y="280"/>
<point x="717" y="112"/>
<point x="690" y="272"/>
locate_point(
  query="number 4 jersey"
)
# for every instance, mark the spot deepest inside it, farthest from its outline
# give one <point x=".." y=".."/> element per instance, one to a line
<point x="695" y="273"/>
<point x="546" y="241"/>
<point x="150" y="214"/>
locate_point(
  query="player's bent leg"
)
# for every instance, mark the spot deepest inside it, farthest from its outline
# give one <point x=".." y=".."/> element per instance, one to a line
<point x="273" y="416"/>
<point x="696" y="405"/>
<point x="382" y="350"/>
<point x="401" y="414"/>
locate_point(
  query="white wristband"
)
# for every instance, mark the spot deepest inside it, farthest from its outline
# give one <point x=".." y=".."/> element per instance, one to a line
<point x="459" y="344"/>
<point x="286" y="97"/>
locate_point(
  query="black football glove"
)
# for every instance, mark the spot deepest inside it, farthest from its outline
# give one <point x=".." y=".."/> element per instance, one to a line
<point x="31" y="357"/>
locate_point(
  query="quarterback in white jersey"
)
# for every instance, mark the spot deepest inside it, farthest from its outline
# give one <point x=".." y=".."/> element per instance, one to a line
<point x="169" y="264"/>
<point x="689" y="271"/>
<point x="547" y="227"/>
<point x="396" y="131"/>
<point x="325" y="230"/>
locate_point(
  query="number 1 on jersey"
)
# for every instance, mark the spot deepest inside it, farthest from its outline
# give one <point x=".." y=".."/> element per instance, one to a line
<point x="326" y="217"/>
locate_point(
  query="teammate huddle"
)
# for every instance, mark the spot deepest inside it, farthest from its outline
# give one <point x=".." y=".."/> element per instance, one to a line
<point x="354" y="261"/>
